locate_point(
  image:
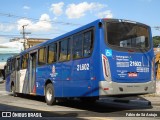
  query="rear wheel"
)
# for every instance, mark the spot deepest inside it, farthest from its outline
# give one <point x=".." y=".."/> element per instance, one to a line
<point x="49" y="94"/>
<point x="13" y="90"/>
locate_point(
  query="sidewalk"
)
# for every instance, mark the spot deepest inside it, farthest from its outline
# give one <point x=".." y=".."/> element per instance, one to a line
<point x="154" y="100"/>
<point x="2" y="81"/>
<point x="155" y="97"/>
<point x="158" y="87"/>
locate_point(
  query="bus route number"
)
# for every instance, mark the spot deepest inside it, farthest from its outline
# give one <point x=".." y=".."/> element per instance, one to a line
<point x="82" y="67"/>
<point x="135" y="63"/>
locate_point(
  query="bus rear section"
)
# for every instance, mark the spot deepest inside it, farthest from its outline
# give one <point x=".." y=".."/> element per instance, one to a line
<point x="127" y="59"/>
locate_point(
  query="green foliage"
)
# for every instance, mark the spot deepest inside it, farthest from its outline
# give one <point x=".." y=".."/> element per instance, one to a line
<point x="156" y="41"/>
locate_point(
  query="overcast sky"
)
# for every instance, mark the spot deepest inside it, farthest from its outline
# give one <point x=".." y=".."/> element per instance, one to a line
<point x="51" y="18"/>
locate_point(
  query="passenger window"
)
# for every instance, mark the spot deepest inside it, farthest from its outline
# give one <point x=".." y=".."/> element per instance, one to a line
<point x="13" y="64"/>
<point x="25" y="61"/>
<point x="77" y="46"/>
<point x="7" y="68"/>
<point x="87" y="44"/>
<point x="64" y="50"/>
<point x="42" y="56"/>
<point x="52" y="53"/>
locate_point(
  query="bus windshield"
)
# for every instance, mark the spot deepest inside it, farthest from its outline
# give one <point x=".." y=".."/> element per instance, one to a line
<point x="127" y="35"/>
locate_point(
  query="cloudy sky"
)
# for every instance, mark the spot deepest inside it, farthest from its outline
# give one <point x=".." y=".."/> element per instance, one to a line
<point x="51" y="18"/>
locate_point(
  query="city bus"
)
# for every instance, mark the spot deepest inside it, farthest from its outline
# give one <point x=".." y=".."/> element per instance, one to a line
<point x="107" y="57"/>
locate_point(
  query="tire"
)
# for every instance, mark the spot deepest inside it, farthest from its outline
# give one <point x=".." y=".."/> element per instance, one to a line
<point x="13" y="91"/>
<point x="49" y="94"/>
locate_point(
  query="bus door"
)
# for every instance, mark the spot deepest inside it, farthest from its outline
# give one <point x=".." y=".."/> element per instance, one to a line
<point x="32" y="75"/>
<point x="17" y="74"/>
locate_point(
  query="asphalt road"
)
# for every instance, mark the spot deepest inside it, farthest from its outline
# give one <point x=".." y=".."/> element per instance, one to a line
<point x="104" y="109"/>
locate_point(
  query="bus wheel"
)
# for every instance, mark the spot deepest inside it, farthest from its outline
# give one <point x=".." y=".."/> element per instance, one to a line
<point x="49" y="94"/>
<point x="13" y="91"/>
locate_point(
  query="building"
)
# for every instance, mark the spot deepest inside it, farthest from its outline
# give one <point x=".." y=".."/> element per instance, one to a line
<point x="29" y="42"/>
<point x="34" y="41"/>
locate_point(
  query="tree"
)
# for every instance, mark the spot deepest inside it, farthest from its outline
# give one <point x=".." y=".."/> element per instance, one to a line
<point x="156" y="41"/>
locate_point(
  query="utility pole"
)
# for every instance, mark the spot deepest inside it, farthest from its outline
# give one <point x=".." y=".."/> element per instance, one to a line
<point x="24" y="33"/>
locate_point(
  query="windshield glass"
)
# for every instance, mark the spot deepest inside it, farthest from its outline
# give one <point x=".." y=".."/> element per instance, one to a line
<point x="127" y="35"/>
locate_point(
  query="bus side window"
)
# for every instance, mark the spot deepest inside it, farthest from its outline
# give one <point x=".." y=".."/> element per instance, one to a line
<point x="52" y="53"/>
<point x="24" y="61"/>
<point x="77" y="46"/>
<point x="87" y="44"/>
<point x="7" y="68"/>
<point x="13" y="64"/>
<point x="64" y="50"/>
<point x="69" y="49"/>
<point x="42" y="56"/>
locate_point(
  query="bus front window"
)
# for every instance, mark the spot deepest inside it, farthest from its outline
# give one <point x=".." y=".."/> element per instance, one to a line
<point x="127" y="35"/>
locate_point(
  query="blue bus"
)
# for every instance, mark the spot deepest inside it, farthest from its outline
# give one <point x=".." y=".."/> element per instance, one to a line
<point x="107" y="57"/>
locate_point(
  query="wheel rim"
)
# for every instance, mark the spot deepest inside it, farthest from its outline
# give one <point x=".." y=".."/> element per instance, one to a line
<point x="49" y="94"/>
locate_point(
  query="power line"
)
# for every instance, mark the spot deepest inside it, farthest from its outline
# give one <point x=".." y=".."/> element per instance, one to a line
<point x="35" y="19"/>
<point x="157" y="27"/>
<point x="8" y="35"/>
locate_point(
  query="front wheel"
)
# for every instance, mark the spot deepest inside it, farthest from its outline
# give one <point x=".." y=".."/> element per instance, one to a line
<point x="49" y="94"/>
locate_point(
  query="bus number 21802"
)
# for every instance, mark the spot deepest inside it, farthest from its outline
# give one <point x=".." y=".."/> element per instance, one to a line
<point x="135" y="63"/>
<point x="81" y="67"/>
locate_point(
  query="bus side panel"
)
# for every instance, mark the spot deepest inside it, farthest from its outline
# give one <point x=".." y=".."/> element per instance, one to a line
<point x="96" y="59"/>
<point x="40" y="79"/>
<point x="50" y="72"/>
<point x="24" y="83"/>
<point x="79" y="83"/>
<point x="85" y="73"/>
<point x="56" y="74"/>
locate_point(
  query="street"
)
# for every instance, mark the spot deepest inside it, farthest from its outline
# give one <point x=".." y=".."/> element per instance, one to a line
<point x="105" y="108"/>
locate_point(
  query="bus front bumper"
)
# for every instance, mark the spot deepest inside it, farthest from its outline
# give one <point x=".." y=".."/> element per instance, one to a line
<point x="113" y="88"/>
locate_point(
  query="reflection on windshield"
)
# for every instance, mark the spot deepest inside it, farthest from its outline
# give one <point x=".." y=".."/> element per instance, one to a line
<point x="134" y="42"/>
<point x="127" y="35"/>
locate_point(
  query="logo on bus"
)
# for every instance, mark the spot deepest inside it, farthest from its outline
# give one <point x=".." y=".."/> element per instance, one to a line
<point x="53" y="74"/>
<point x="53" y="69"/>
<point x="108" y="52"/>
